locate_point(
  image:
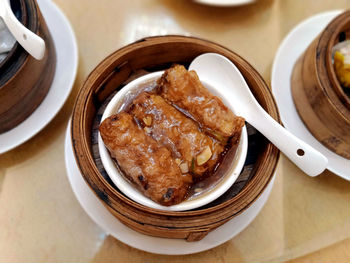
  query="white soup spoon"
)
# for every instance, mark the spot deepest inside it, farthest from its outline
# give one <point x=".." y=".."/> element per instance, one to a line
<point x="219" y="71"/>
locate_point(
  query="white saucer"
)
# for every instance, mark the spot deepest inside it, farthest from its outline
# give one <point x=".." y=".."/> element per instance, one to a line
<point x="66" y="69"/>
<point x="103" y="218"/>
<point x="289" y="51"/>
<point x="224" y="3"/>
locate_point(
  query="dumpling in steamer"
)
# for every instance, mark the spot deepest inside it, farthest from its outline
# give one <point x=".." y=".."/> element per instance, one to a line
<point x="342" y="62"/>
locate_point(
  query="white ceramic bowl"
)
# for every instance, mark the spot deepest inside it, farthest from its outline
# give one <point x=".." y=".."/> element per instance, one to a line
<point x="131" y="191"/>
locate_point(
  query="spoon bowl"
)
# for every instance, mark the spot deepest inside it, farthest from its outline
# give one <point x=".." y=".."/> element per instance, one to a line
<point x="219" y="71"/>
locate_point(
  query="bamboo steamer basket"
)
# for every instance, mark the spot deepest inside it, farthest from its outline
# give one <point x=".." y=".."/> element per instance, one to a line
<point x="153" y="54"/>
<point x="24" y="81"/>
<point x="321" y="102"/>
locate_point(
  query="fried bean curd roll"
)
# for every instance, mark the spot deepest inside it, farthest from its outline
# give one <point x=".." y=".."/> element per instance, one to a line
<point x="195" y="152"/>
<point x="149" y="165"/>
<point x="184" y="89"/>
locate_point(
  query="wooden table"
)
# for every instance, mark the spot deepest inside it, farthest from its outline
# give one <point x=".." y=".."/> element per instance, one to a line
<point x="305" y="219"/>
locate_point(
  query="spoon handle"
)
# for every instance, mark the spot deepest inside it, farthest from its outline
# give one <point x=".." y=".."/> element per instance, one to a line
<point x="309" y="160"/>
<point x="31" y="42"/>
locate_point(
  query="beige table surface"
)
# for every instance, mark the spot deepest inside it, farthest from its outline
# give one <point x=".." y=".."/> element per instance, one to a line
<point x="40" y="218"/>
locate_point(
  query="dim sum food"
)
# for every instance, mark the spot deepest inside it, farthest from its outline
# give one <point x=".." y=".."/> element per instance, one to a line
<point x="168" y="138"/>
<point x="342" y="63"/>
<point x="184" y="89"/>
<point x="194" y="150"/>
<point x="146" y="163"/>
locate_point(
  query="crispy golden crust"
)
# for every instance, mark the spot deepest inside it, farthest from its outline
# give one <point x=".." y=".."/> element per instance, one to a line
<point x="184" y="89"/>
<point x="146" y="163"/>
<point x="180" y="134"/>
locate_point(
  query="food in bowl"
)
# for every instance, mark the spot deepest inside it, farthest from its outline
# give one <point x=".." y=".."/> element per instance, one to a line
<point x="342" y="63"/>
<point x="145" y="162"/>
<point x="163" y="144"/>
<point x="108" y="87"/>
<point x="184" y="89"/>
<point x="177" y="132"/>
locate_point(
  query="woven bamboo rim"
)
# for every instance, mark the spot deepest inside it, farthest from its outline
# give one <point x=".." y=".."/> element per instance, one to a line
<point x="153" y="54"/>
<point x="321" y="102"/>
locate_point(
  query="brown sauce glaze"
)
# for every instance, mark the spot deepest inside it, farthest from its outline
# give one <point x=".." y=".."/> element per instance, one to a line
<point x="177" y="132"/>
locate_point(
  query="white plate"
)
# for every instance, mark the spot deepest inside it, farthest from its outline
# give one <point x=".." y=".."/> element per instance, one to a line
<point x="289" y="51"/>
<point x="224" y="2"/>
<point x="66" y="69"/>
<point x="103" y="218"/>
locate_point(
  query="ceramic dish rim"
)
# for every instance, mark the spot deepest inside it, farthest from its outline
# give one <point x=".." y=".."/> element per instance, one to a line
<point x="125" y="187"/>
